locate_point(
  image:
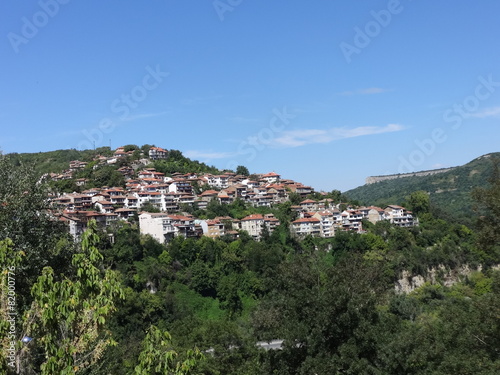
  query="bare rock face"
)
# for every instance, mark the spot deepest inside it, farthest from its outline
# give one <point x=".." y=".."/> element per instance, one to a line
<point x="374" y="179"/>
<point x="407" y="283"/>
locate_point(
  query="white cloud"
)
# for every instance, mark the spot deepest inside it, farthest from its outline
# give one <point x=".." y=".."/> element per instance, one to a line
<point x="242" y="119"/>
<point x="295" y="138"/>
<point x="200" y="99"/>
<point x="365" y="91"/>
<point x="201" y="155"/>
<point x="144" y="115"/>
<point x="487" y="112"/>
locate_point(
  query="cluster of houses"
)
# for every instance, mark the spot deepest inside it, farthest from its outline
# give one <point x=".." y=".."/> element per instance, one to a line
<point x="172" y="194"/>
<point x="326" y="222"/>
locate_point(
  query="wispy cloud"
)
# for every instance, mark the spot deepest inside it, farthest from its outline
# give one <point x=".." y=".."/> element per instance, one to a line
<point x="487" y="112"/>
<point x="202" y="155"/>
<point x="365" y="91"/>
<point x="295" y="138"/>
<point x="200" y="99"/>
<point x="241" y="119"/>
<point x="141" y="116"/>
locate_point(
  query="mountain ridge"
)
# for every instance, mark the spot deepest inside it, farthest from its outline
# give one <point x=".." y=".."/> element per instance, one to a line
<point x="449" y="191"/>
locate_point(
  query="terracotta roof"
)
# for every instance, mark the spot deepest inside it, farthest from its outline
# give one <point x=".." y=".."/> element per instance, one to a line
<point x="307" y="201"/>
<point x="125" y="210"/>
<point x="209" y="192"/>
<point x="253" y="217"/>
<point x="307" y="220"/>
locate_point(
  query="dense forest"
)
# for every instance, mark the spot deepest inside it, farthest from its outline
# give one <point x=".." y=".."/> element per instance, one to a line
<point x="450" y="192"/>
<point x="127" y="304"/>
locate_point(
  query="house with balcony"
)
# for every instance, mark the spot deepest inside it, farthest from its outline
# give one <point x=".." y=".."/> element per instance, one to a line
<point x="352" y="220"/>
<point x="306" y="226"/>
<point x="213" y="228"/>
<point x="157" y="153"/>
<point x="309" y="205"/>
<point x="400" y="216"/>
<point x="327" y="223"/>
<point x="270" y="178"/>
<point x="301" y="189"/>
<point x="372" y="214"/>
<point x="163" y="227"/>
<point x="254" y="224"/>
<point x="104" y="206"/>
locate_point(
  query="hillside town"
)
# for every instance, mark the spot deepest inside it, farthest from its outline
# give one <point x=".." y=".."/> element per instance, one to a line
<point x="147" y="190"/>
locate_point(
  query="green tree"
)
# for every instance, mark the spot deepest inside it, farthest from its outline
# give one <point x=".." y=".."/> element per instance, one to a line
<point x="10" y="260"/>
<point x="419" y="202"/>
<point x="26" y="218"/>
<point x="242" y="170"/>
<point x="108" y="176"/>
<point x="149" y="207"/>
<point x="294" y="198"/>
<point x="326" y="315"/>
<point x="145" y="149"/>
<point x="128" y="148"/>
<point x="67" y="318"/>
<point x="488" y="200"/>
<point x="159" y="357"/>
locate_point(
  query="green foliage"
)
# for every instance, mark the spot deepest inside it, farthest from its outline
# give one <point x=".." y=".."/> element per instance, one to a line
<point x="25" y="218"/>
<point x="10" y="259"/>
<point x="107" y="176"/>
<point x="149" y="207"/>
<point x="331" y="299"/>
<point x="68" y="316"/>
<point x="449" y="192"/>
<point x="55" y="161"/>
<point x="242" y="170"/>
<point x="65" y="186"/>
<point x="419" y="202"/>
<point x="488" y="199"/>
<point x="158" y="356"/>
<point x="176" y="162"/>
<point x="128" y="148"/>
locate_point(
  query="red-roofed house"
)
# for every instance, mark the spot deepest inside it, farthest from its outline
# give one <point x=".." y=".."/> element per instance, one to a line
<point x="253" y="224"/>
<point x="157" y="153"/>
<point x="306" y="226"/>
<point x="271" y="177"/>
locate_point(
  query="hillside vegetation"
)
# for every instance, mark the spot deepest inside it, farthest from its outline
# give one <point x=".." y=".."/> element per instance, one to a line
<point x="58" y="161"/>
<point x="450" y="192"/>
<point x="132" y="305"/>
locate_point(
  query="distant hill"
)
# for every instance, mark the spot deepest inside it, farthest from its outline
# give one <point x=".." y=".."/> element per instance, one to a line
<point x="449" y="190"/>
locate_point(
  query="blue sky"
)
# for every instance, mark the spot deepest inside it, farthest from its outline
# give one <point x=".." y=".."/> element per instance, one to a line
<point x="326" y="93"/>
